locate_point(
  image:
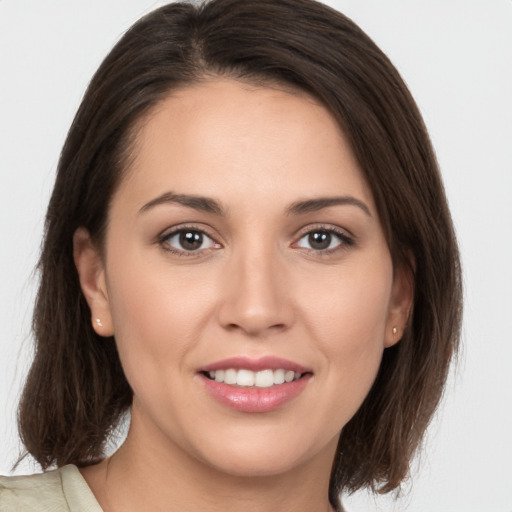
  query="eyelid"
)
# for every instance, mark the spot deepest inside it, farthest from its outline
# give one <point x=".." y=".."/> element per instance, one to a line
<point x="347" y="239"/>
<point x="169" y="232"/>
<point x="323" y="226"/>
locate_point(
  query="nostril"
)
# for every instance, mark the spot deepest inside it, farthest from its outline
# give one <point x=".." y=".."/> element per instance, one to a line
<point x="256" y="331"/>
<point x="255" y="310"/>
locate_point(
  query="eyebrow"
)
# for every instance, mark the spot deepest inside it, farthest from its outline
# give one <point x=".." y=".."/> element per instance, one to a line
<point x="204" y="204"/>
<point x="209" y="205"/>
<point x="314" y="205"/>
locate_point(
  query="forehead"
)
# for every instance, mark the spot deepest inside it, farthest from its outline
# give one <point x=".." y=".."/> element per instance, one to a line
<point x="228" y="139"/>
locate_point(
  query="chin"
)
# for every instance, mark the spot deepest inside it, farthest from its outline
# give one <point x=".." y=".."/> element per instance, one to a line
<point x="268" y="457"/>
<point x="250" y="466"/>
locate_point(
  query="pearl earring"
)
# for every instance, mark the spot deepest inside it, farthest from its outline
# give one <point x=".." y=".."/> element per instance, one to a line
<point x="395" y="330"/>
<point x="98" y="321"/>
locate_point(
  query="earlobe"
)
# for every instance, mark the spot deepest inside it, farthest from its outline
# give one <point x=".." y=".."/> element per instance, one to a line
<point x="402" y="298"/>
<point x="91" y="274"/>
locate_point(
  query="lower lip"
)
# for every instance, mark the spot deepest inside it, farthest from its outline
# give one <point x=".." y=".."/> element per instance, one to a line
<point x="252" y="399"/>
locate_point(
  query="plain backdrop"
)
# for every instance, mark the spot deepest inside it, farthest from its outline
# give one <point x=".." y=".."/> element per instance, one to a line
<point x="456" y="57"/>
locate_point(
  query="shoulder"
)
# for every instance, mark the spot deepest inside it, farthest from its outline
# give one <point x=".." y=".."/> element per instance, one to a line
<point x="62" y="490"/>
<point x="32" y="493"/>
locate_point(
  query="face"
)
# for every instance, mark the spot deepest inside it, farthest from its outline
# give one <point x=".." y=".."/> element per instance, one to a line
<point x="246" y="279"/>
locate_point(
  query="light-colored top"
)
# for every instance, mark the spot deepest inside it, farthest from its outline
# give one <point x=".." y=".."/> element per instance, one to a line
<point x="62" y="490"/>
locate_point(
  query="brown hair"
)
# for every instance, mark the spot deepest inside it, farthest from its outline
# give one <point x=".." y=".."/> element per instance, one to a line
<point x="76" y="391"/>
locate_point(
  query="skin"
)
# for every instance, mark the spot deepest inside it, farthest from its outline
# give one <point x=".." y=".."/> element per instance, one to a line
<point x="255" y="288"/>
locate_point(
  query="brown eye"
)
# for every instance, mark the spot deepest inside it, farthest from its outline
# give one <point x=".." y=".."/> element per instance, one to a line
<point x="324" y="240"/>
<point x="191" y="240"/>
<point x="319" y="240"/>
<point x="187" y="241"/>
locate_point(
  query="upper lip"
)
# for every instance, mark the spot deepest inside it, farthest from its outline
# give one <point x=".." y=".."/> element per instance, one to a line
<point x="255" y="365"/>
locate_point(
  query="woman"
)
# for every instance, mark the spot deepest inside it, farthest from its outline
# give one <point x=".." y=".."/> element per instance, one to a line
<point x="248" y="247"/>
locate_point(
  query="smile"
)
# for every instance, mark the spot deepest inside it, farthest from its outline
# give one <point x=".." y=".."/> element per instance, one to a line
<point x="255" y="385"/>
<point x="248" y="378"/>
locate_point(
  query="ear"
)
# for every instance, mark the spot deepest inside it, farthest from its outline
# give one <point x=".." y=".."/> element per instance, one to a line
<point x="401" y="303"/>
<point x="91" y="274"/>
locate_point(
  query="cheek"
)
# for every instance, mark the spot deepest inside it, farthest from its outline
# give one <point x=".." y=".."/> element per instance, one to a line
<point x="159" y="313"/>
<point x="347" y="314"/>
<point x="155" y="315"/>
<point x="351" y="303"/>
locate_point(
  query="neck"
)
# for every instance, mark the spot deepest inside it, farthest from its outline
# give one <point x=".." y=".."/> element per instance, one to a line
<point x="148" y="474"/>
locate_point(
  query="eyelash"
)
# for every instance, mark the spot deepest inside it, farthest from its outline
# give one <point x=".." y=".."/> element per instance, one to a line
<point x="163" y="241"/>
<point x="345" y="240"/>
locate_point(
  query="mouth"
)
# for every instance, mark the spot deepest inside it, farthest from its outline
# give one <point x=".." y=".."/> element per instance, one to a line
<point x="255" y="385"/>
<point x="245" y="378"/>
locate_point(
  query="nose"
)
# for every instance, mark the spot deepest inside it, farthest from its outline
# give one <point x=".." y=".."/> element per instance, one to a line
<point x="256" y="298"/>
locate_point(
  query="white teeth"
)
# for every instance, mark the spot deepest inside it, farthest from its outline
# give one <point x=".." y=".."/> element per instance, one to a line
<point x="264" y="379"/>
<point x="248" y="378"/>
<point x="230" y="376"/>
<point x="289" y="376"/>
<point x="243" y="377"/>
<point x="279" y="377"/>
